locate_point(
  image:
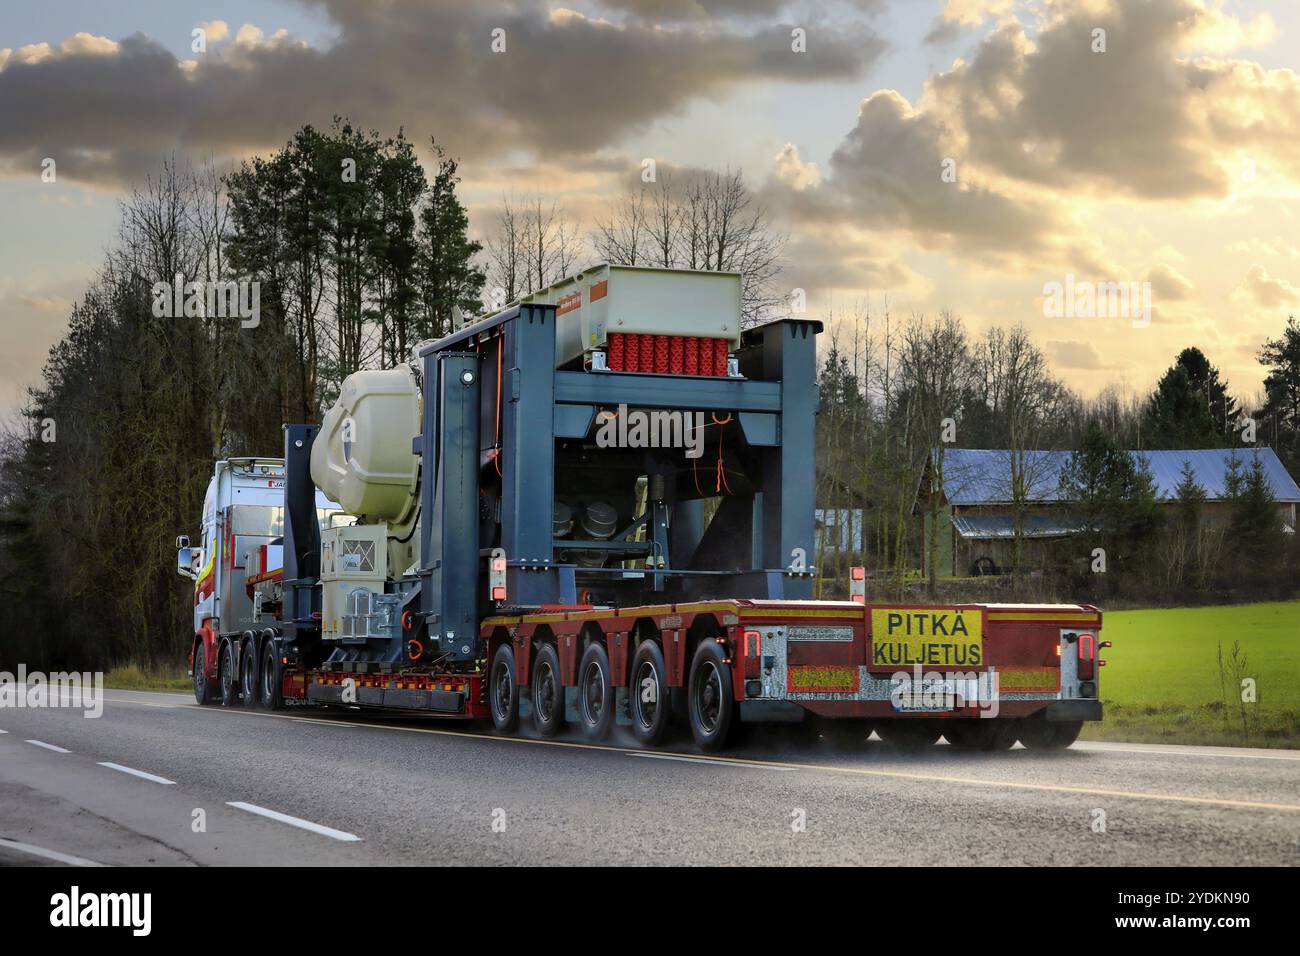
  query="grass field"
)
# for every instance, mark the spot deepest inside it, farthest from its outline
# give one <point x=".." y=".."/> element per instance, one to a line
<point x="1161" y="683"/>
<point x="134" y="677"/>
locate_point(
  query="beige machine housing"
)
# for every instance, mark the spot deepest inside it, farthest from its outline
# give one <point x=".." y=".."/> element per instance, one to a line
<point x="640" y="300"/>
<point x="362" y="458"/>
<point x="353" y="560"/>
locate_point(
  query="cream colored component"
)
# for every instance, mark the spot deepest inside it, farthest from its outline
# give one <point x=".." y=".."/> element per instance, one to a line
<point x="641" y="300"/>
<point x="350" y="558"/>
<point x="362" y="457"/>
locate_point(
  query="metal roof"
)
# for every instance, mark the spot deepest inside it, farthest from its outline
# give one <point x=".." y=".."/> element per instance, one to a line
<point x="975" y="476"/>
<point x="990" y="526"/>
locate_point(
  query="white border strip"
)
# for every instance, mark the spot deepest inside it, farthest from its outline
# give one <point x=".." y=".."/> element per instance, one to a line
<point x="46" y="854"/>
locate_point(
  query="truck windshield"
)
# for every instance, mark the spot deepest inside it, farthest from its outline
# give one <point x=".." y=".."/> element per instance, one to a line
<point x="261" y="520"/>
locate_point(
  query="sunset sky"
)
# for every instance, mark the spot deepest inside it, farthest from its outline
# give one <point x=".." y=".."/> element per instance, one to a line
<point x="1172" y="157"/>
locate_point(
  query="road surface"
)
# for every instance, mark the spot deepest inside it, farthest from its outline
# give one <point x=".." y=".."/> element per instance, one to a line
<point x="159" y="780"/>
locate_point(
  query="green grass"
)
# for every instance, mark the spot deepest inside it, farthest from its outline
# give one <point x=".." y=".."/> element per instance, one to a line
<point x="1161" y="682"/>
<point x="135" y="677"/>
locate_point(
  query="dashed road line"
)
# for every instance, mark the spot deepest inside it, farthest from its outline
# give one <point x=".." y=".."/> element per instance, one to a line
<point x="136" y="773"/>
<point x="340" y="835"/>
<point x="41" y="743"/>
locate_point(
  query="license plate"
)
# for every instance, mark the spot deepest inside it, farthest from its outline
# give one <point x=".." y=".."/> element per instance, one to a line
<point x="935" y="696"/>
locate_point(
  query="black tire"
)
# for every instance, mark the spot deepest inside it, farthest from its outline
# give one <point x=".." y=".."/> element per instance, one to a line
<point x="227" y="680"/>
<point x="272" y="688"/>
<point x="248" y="686"/>
<point x="595" y="693"/>
<point x="908" y="733"/>
<point x="547" y="692"/>
<point x="204" y="690"/>
<point x="1038" y="733"/>
<point x="503" y="692"/>
<point x="710" y="697"/>
<point x="980" y="735"/>
<point x="650" y="717"/>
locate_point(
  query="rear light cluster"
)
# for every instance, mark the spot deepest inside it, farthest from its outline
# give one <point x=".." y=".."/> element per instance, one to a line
<point x="1087" y="645"/>
<point x="858" y="585"/>
<point x="666" y="354"/>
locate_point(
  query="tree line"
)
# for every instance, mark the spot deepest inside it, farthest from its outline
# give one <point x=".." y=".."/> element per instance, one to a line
<point x="898" y="394"/>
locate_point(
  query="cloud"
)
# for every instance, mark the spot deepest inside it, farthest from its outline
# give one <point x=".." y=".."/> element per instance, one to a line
<point x="1143" y="118"/>
<point x="1266" y="291"/>
<point x="1075" y="355"/>
<point x="790" y="168"/>
<point x="45" y="303"/>
<point x="1168" y="283"/>
<point x="426" y="65"/>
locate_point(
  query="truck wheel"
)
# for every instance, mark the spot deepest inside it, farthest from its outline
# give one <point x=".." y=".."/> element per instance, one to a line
<point x="503" y="692"/>
<point x="248" y="686"/>
<point x="595" y="692"/>
<point x="649" y="695"/>
<point x="204" y="692"/>
<point x="1038" y="733"/>
<point x="226" y="677"/>
<point x="548" y="693"/>
<point x="269" y="679"/>
<point x="977" y="734"/>
<point x="710" y="698"/>
<point x="909" y="734"/>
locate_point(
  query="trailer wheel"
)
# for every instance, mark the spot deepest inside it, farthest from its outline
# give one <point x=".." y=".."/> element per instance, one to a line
<point x="710" y="699"/>
<point x="269" y="678"/>
<point x="503" y="692"/>
<point x="226" y="678"/>
<point x="248" y="686"/>
<point x="903" y="733"/>
<point x="978" y="734"/>
<point x="204" y="691"/>
<point x="649" y="695"/>
<point x="595" y="692"/>
<point x="1038" y="733"/>
<point x="548" y="692"/>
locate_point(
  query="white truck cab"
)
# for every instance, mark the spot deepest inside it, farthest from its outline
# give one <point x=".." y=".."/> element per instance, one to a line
<point x="243" y="519"/>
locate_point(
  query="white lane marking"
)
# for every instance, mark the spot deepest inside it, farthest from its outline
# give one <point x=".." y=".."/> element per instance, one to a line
<point x="706" y="760"/>
<point x="136" y="773"/>
<point x="4" y="731"/>
<point x="46" y="854"/>
<point x="330" y="832"/>
<point x="41" y="743"/>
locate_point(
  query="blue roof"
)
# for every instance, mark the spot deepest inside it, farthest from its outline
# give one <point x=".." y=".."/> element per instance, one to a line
<point x="976" y="476"/>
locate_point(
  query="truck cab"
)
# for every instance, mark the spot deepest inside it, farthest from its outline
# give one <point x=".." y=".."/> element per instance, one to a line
<point x="239" y="547"/>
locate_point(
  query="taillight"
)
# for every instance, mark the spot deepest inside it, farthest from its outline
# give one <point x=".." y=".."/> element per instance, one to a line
<point x="858" y="585"/>
<point x="497" y="574"/>
<point x="1087" y="645"/>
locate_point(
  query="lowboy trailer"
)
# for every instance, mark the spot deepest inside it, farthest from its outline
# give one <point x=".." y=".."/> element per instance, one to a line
<point x="596" y="508"/>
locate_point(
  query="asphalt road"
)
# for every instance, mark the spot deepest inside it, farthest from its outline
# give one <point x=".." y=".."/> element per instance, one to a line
<point x="357" y="790"/>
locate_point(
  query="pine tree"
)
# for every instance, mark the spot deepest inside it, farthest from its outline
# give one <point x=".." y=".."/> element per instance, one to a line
<point x="448" y="276"/>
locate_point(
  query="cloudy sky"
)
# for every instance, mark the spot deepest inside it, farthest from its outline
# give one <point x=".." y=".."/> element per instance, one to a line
<point x="937" y="154"/>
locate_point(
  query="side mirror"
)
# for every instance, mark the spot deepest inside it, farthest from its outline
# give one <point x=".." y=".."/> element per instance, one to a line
<point x="185" y="561"/>
<point x="182" y="541"/>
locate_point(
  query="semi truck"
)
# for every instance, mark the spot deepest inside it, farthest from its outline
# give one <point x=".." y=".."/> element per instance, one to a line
<point x="595" y="508"/>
